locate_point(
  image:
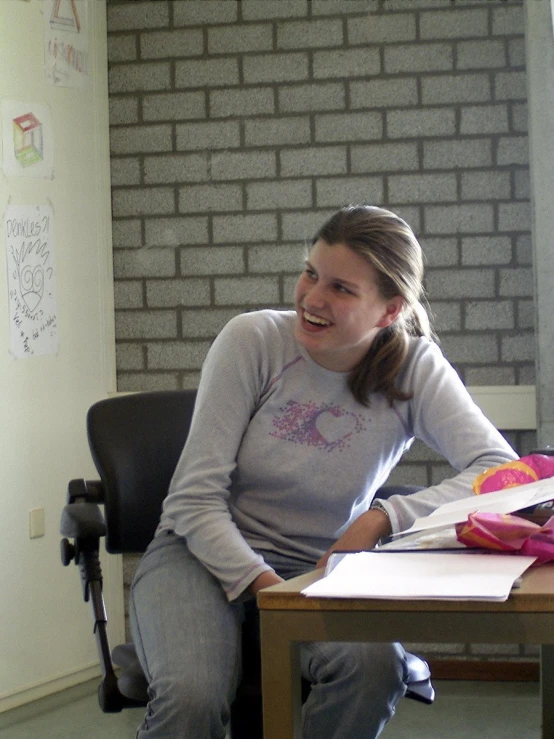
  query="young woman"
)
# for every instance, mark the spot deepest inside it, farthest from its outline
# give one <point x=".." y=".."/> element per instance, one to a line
<point x="300" y="418"/>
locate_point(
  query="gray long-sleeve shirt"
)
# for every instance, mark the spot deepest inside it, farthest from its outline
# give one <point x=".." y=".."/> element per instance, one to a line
<point x="281" y="456"/>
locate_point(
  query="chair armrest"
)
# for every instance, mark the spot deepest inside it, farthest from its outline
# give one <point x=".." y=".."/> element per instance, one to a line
<point x="82" y="521"/>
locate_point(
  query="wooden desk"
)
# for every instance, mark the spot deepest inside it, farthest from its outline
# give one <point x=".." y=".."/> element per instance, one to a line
<point x="289" y="618"/>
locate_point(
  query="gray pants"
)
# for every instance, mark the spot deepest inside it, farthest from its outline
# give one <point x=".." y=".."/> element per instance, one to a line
<point x="188" y="639"/>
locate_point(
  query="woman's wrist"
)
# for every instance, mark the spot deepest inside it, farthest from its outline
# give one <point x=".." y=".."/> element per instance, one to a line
<point x="264" y="580"/>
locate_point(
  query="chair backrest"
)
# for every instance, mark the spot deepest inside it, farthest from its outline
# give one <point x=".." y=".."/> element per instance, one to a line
<point x="135" y="441"/>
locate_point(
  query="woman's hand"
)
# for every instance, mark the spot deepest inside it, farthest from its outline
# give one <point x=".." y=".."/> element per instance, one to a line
<point x="364" y="533"/>
<point x="264" y="580"/>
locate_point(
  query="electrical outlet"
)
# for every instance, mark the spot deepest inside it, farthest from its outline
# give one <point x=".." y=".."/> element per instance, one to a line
<point x="36" y="523"/>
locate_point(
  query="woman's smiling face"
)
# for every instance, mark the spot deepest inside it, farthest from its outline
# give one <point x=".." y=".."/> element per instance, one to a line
<point x="339" y="307"/>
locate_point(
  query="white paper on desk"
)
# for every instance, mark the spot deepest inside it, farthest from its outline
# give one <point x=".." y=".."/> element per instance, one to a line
<point x="422" y="575"/>
<point x="500" y="501"/>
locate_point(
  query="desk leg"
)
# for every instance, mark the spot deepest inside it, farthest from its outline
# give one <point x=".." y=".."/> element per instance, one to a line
<point x="547" y="690"/>
<point x="281" y="685"/>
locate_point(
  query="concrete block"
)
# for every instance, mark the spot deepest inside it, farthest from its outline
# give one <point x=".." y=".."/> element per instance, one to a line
<point x="232" y="229"/>
<point x="171" y="44"/>
<point x="313" y="97"/>
<point x="342" y="7"/>
<point x="301" y="227"/>
<point x="482" y="119"/>
<point x="200" y="13"/>
<point x="510" y="85"/>
<point x="310" y="34"/>
<point x="478" y="348"/>
<point x="385" y="157"/>
<point x="176" y="355"/>
<point x="254" y="10"/>
<point x="247" y="101"/>
<point x="457" y="153"/>
<point x="204" y="198"/>
<point x="490" y="250"/>
<point x="246" y="290"/>
<point x="508" y="20"/>
<point x="174" y="293"/>
<point x="313" y="160"/>
<point x="125" y="171"/>
<point x="139" y="77"/>
<point x="288" y="67"/>
<point x="279" y="194"/>
<point x="212" y="260"/>
<point x="440" y="251"/>
<point x="126" y="232"/>
<point x="243" y="165"/>
<point x="346" y="63"/>
<point x="171" y="232"/>
<point x="520" y="348"/>
<point x="338" y="191"/>
<point x="145" y="324"/>
<point x="383" y="93"/>
<point x="516" y="282"/>
<point x="132" y="382"/>
<point x="237" y="39"/>
<point x="276" y="258"/>
<point x="454" y="24"/>
<point x="275" y="131"/>
<point x="174" y="106"/>
<point x="205" y="323"/>
<point x="524" y="249"/>
<point x="129" y="263"/>
<point x="402" y="124"/>
<point x="129" y="357"/>
<point x="512" y="150"/>
<point x="122" y="48"/>
<point x="456" y="88"/>
<point x="128" y="294"/>
<point x="473" y="218"/>
<point x="514" y="216"/>
<point x="140" y="139"/>
<point x="489" y="314"/>
<point x="516" y="53"/>
<point x="519" y="117"/>
<point x="143" y="202"/>
<point x="136" y="16"/>
<point x="289" y="283"/>
<point x="123" y="110"/>
<point x="422" y="188"/>
<point x="446" y="316"/>
<point x="175" y="168"/>
<point x="418" y="58"/>
<point x="208" y="135"/>
<point x="526" y="375"/>
<point x="490" y="376"/>
<point x="492" y="185"/>
<point x="525" y="314"/>
<point x="487" y="54"/>
<point x="206" y="72"/>
<point x="330" y="127"/>
<point x="443" y="284"/>
<point x="381" y="29"/>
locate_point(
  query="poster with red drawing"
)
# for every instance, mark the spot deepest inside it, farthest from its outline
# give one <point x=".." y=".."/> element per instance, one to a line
<point x="66" y="57"/>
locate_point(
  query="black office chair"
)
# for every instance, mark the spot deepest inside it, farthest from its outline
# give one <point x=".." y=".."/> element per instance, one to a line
<point x="135" y="442"/>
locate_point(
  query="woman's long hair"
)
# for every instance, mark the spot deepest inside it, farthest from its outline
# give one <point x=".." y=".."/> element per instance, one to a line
<point x="389" y="245"/>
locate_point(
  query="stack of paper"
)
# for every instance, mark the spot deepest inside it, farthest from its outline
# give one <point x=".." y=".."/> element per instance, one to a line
<point x="422" y="575"/>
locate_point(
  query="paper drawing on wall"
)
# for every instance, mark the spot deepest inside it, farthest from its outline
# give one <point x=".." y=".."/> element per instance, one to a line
<point x="27" y="140"/>
<point x="31" y="271"/>
<point x="66" y="42"/>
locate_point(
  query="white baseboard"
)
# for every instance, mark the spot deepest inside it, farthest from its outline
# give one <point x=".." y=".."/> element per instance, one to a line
<point x="48" y="687"/>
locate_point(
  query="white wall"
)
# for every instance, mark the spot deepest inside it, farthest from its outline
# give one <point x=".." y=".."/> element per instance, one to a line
<point x="46" y="638"/>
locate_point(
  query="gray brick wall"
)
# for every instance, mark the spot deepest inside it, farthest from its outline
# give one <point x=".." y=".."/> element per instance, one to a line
<point x="238" y="127"/>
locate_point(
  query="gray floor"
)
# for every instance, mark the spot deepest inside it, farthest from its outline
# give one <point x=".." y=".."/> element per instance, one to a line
<point x="467" y="710"/>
